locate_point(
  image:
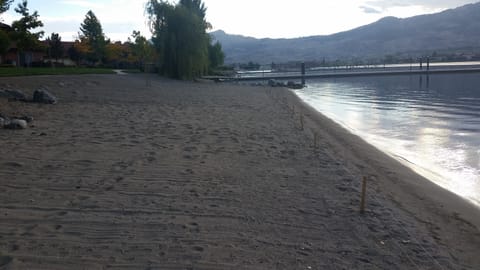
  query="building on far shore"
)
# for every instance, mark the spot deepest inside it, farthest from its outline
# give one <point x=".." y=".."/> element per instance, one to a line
<point x="65" y="59"/>
<point x="14" y="57"/>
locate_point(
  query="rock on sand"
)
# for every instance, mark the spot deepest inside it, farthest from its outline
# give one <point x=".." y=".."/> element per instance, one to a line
<point x="43" y="96"/>
<point x="16" y="124"/>
<point x="13" y="94"/>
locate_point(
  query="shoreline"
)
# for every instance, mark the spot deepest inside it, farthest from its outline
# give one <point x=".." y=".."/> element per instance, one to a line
<point x="410" y="191"/>
<point x="210" y="176"/>
<point x="372" y="161"/>
<point x="419" y="156"/>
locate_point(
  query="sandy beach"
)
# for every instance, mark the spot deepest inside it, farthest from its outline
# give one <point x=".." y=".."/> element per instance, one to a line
<point x="121" y="174"/>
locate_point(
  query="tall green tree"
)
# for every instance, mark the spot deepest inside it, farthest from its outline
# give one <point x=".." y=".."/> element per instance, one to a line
<point x="142" y="49"/>
<point x="4" y="44"/>
<point x="23" y="29"/>
<point x="55" y="48"/>
<point x="92" y="34"/>
<point x="197" y="7"/>
<point x="5" y="5"/>
<point x="216" y="55"/>
<point x="4" y="38"/>
<point x="180" y="37"/>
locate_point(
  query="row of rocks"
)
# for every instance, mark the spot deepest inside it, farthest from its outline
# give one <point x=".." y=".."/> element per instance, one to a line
<point x="289" y="84"/>
<point x="15" y="122"/>
<point x="39" y="96"/>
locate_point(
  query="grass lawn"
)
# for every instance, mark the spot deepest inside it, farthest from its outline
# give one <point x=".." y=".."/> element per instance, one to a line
<point x="12" y="71"/>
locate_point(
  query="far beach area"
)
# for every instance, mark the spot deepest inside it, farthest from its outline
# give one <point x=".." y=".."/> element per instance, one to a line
<point x="142" y="172"/>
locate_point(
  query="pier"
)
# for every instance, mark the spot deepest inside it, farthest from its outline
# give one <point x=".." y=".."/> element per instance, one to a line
<point x="348" y="72"/>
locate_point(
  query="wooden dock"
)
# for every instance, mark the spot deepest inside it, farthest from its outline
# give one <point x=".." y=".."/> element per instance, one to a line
<point x="342" y="73"/>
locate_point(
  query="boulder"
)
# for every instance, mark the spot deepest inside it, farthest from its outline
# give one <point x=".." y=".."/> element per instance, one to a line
<point x="2" y="122"/>
<point x="13" y="94"/>
<point x="272" y="82"/>
<point x="16" y="124"/>
<point x="293" y="85"/>
<point x="280" y="84"/>
<point x="27" y="118"/>
<point x="43" y="96"/>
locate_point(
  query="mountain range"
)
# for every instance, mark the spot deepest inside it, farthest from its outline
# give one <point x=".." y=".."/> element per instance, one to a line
<point x="452" y="29"/>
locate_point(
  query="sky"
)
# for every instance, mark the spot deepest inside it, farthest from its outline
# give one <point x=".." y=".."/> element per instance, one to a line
<point x="256" y="18"/>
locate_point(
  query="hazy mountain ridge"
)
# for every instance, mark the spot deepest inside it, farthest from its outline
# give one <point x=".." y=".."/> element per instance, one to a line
<point x="451" y="29"/>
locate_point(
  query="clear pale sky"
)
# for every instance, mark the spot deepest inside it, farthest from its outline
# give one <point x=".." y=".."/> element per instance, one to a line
<point x="257" y="18"/>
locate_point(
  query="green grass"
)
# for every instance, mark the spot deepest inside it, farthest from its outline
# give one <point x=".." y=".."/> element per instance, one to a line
<point x="14" y="72"/>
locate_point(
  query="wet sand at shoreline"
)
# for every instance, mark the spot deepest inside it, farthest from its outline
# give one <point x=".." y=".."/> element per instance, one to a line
<point x="179" y="175"/>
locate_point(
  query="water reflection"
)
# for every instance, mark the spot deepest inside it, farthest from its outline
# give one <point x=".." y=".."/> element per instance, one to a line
<point x="433" y="122"/>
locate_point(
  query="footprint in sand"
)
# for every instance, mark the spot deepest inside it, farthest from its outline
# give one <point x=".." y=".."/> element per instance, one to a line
<point x="198" y="248"/>
<point x="85" y="162"/>
<point x="13" y="164"/>
<point x="190" y="149"/>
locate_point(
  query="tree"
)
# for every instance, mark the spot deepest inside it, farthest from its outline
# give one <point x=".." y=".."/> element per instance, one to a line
<point x="142" y="49"/>
<point x="118" y="55"/>
<point x="4" y="44"/>
<point x="5" y="5"/>
<point x="75" y="52"/>
<point x="216" y="55"/>
<point x="55" y="48"/>
<point x="22" y="29"/>
<point x="180" y="37"/>
<point x="196" y="7"/>
<point x="4" y="39"/>
<point x="92" y="34"/>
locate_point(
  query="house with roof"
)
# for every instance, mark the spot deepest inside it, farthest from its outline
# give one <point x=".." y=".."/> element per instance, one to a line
<point x="14" y="56"/>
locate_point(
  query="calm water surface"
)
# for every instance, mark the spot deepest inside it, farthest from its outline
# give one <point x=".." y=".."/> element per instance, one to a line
<point x="432" y="123"/>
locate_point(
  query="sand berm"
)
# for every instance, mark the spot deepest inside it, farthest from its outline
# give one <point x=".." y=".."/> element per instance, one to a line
<point x="125" y="174"/>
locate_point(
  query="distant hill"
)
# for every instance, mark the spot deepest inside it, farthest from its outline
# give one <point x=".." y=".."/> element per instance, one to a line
<point x="451" y="29"/>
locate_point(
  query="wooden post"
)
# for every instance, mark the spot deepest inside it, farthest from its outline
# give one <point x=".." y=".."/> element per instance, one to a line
<point x="428" y="63"/>
<point x="364" y="193"/>
<point x="147" y="71"/>
<point x="303" y="74"/>
<point x="301" y="121"/>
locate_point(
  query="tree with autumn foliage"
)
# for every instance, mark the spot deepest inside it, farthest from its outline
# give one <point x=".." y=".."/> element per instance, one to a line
<point x="92" y="36"/>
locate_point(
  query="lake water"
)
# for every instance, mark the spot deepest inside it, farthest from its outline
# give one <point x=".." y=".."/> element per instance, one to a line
<point x="431" y="124"/>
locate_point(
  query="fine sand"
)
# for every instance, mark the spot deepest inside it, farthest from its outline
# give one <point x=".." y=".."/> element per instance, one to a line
<point x="179" y="175"/>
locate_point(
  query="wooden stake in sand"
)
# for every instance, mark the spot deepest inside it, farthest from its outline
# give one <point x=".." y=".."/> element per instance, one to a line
<point x="302" y="120"/>
<point x="148" y="68"/>
<point x="364" y="191"/>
